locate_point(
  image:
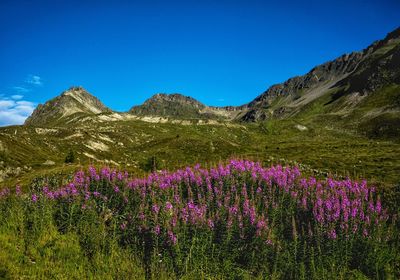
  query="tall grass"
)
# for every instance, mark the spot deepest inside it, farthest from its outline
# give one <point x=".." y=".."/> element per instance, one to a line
<point x="238" y="220"/>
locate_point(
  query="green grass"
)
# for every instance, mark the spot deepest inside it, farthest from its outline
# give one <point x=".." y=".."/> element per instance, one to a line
<point x="322" y="147"/>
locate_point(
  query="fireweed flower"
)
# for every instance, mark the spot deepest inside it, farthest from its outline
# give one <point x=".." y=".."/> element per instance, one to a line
<point x="4" y="192"/>
<point x="240" y="195"/>
<point x="155" y="208"/>
<point x="332" y="234"/>
<point x="168" y="206"/>
<point x="210" y="224"/>
<point x="18" y="191"/>
<point x="378" y="207"/>
<point x="157" y="230"/>
<point x="172" y="237"/>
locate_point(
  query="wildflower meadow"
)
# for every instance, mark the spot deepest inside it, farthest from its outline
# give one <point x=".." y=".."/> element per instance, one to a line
<point x="233" y="221"/>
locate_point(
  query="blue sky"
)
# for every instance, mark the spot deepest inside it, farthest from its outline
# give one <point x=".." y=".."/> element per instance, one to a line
<point x="219" y="52"/>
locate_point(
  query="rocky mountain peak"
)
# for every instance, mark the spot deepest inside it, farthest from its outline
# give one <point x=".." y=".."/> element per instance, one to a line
<point x="83" y="97"/>
<point x="175" y="98"/>
<point x="172" y="105"/>
<point x="72" y="101"/>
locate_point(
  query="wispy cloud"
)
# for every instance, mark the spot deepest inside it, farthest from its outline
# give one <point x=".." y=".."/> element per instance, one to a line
<point x="14" y="111"/>
<point x="17" y="96"/>
<point x="34" y="80"/>
<point x="29" y="84"/>
<point x="220" y="99"/>
<point x="5" y="104"/>
<point x="21" y="89"/>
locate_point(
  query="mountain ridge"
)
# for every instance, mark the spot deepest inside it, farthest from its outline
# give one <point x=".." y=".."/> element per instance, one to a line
<point x="347" y="75"/>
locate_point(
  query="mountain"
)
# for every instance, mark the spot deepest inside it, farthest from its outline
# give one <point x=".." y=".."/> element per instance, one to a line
<point x="72" y="102"/>
<point x="76" y="105"/>
<point x="179" y="106"/>
<point x="343" y="86"/>
<point x="172" y="105"/>
<point x="357" y="91"/>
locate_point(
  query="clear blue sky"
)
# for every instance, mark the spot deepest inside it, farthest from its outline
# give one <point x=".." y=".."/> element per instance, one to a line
<point x="219" y="52"/>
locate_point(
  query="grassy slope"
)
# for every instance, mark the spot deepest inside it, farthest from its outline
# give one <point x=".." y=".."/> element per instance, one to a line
<point x="343" y="142"/>
<point x="320" y="147"/>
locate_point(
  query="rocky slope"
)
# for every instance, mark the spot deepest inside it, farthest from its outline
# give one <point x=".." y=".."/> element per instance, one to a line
<point x="179" y="106"/>
<point x="172" y="105"/>
<point x="73" y="101"/>
<point x="361" y="73"/>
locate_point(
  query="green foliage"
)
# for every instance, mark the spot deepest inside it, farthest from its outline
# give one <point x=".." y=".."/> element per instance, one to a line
<point x="70" y="158"/>
<point x="3" y="156"/>
<point x="152" y="164"/>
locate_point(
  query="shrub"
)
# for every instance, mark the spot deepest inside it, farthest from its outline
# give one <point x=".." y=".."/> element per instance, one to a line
<point x="70" y="158"/>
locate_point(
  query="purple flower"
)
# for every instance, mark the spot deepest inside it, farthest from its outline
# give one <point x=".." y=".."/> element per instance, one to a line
<point x="233" y="210"/>
<point x="378" y="207"/>
<point x="168" y="206"/>
<point x="155" y="208"/>
<point x="332" y="234"/>
<point x="210" y="224"/>
<point x="142" y="216"/>
<point x="18" y="191"/>
<point x="172" y="237"/>
<point x="34" y="198"/>
<point x="157" y="230"/>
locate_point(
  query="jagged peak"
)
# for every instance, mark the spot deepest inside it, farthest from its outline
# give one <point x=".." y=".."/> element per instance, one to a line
<point x="75" y="90"/>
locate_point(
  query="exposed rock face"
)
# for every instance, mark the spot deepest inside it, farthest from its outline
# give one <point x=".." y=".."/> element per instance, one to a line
<point x="364" y="71"/>
<point x="72" y="101"/>
<point x="180" y="106"/>
<point x="174" y="105"/>
<point x="253" y="115"/>
<point x="320" y="74"/>
<point x="374" y="72"/>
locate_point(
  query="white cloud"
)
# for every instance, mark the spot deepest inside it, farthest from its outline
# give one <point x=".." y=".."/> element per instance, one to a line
<point x="14" y="112"/>
<point x="25" y="103"/>
<point x="34" y="80"/>
<point x="17" y="96"/>
<point x="4" y="104"/>
<point x="21" y="89"/>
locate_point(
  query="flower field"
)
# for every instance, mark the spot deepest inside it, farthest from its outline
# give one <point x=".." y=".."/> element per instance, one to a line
<point x="238" y="220"/>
